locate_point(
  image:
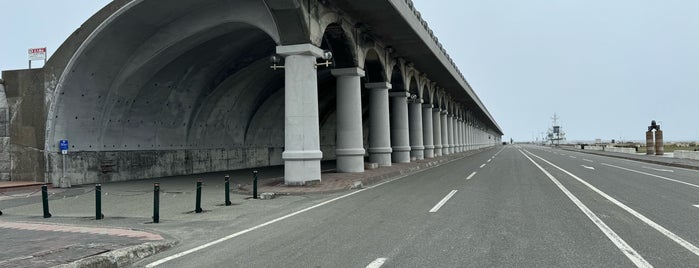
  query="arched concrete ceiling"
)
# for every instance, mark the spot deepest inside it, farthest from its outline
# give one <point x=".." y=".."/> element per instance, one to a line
<point x="192" y="73"/>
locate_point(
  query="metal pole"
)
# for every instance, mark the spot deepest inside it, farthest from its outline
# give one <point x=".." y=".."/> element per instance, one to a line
<point x="254" y="184"/>
<point x="197" y="208"/>
<point x="63" y="172"/>
<point x="45" y="200"/>
<point x="228" y="190"/>
<point x="156" y="202"/>
<point x="98" y="202"/>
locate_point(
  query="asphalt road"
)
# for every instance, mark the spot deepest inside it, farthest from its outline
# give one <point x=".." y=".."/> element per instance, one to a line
<point x="523" y="207"/>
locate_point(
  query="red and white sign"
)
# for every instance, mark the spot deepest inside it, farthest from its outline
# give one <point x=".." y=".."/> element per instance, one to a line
<point x="37" y="53"/>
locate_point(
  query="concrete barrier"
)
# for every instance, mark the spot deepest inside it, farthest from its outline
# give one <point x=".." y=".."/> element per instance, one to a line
<point x="620" y="150"/>
<point x="686" y="154"/>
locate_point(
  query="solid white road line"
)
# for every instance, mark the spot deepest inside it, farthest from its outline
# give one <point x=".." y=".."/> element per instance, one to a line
<point x="587" y="167"/>
<point x="231" y="236"/>
<point x="652" y="175"/>
<point x="646" y="220"/>
<point x="482" y="166"/>
<point x="471" y="176"/>
<point x="616" y="239"/>
<point x="377" y="263"/>
<point x="443" y="201"/>
<point x="659" y="169"/>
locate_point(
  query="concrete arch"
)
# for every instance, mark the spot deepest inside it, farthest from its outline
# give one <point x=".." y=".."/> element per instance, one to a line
<point x="374" y="66"/>
<point x="339" y="42"/>
<point x="184" y="80"/>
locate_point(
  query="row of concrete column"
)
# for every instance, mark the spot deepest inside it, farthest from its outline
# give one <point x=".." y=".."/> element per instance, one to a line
<point x="400" y="128"/>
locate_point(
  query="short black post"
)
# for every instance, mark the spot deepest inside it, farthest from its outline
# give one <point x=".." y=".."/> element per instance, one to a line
<point x="197" y="208"/>
<point x="45" y="200"/>
<point x="156" y="203"/>
<point x="254" y="184"/>
<point x="228" y="190"/>
<point x="98" y="202"/>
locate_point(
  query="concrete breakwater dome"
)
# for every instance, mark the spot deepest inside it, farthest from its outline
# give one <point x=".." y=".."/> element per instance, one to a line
<point x="146" y="89"/>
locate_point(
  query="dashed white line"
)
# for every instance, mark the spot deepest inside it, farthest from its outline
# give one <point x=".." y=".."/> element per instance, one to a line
<point x="482" y="166"/>
<point x="489" y="160"/>
<point x="588" y="167"/>
<point x="652" y="175"/>
<point x="377" y="263"/>
<point x="443" y="201"/>
<point x="696" y="206"/>
<point x="471" y="176"/>
<point x="613" y="236"/>
<point x="679" y="240"/>
<point x="659" y="169"/>
<point x="572" y="156"/>
<point x="588" y="160"/>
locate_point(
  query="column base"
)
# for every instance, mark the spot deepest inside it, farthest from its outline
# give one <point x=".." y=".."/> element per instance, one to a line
<point x="301" y="167"/>
<point x="381" y="156"/>
<point x="437" y="150"/>
<point x="429" y="153"/>
<point x="401" y="154"/>
<point x="350" y="160"/>
<point x="418" y="152"/>
<point x="445" y="150"/>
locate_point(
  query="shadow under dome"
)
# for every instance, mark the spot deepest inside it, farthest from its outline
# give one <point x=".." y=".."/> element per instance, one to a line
<point x="184" y="80"/>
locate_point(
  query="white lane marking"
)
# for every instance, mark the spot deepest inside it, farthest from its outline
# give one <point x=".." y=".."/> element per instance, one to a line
<point x="646" y="220"/>
<point x="652" y="175"/>
<point x="489" y="160"/>
<point x="443" y="201"/>
<point x="613" y="236"/>
<point x="377" y="263"/>
<point x="697" y="206"/>
<point x="572" y="156"/>
<point x="482" y="166"/>
<point x="231" y="236"/>
<point x="471" y="176"/>
<point x="659" y="169"/>
<point x="588" y="160"/>
<point x="563" y="154"/>
<point x="588" y="167"/>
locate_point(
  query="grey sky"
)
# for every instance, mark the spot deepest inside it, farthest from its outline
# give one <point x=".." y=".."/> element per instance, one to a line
<point x="605" y="67"/>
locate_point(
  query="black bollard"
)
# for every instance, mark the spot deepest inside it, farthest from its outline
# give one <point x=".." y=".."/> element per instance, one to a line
<point x="45" y="200"/>
<point x="197" y="208"/>
<point x="98" y="202"/>
<point x="254" y="184"/>
<point x="228" y="191"/>
<point x="156" y="203"/>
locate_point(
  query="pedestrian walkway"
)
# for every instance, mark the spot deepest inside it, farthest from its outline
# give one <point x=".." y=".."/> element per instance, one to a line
<point x="128" y="209"/>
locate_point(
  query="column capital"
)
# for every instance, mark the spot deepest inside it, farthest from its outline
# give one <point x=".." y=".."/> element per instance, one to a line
<point x="436" y="110"/>
<point x="300" y="49"/>
<point x="353" y="71"/>
<point x="399" y="94"/>
<point x="427" y="105"/>
<point x="379" y="85"/>
<point x="444" y="112"/>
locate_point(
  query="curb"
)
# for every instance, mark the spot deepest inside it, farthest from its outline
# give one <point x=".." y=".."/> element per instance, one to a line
<point x="638" y="159"/>
<point x="123" y="256"/>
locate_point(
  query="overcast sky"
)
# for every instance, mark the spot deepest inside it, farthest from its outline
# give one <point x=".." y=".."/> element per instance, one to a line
<point x="605" y="67"/>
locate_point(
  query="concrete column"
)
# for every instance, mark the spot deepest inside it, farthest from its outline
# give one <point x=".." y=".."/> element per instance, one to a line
<point x="427" y="130"/>
<point x="437" y="131"/>
<point x="445" y="133"/>
<point x="400" y="137"/>
<point x="350" y="139"/>
<point x="301" y="128"/>
<point x="459" y="138"/>
<point x="417" y="148"/>
<point x="379" y="124"/>
<point x="450" y="133"/>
